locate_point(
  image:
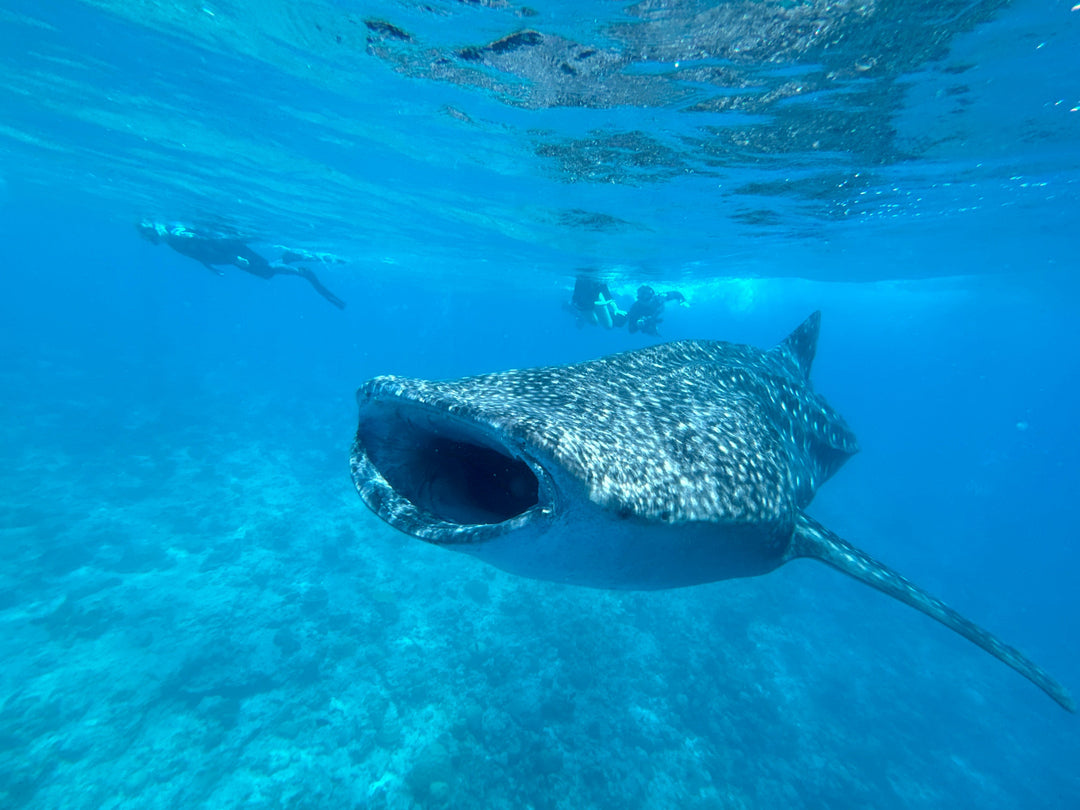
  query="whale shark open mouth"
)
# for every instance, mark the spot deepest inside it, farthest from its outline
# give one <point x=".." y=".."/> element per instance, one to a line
<point x="441" y="477"/>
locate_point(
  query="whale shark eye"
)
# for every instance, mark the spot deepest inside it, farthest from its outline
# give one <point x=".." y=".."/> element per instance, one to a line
<point x="449" y="470"/>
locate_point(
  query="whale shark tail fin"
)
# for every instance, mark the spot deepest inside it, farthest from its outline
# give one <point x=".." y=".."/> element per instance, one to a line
<point x="814" y="540"/>
<point x="799" y="348"/>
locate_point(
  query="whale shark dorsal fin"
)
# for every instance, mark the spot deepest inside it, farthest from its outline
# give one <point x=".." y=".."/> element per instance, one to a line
<point x="798" y="348"/>
<point x="811" y="539"/>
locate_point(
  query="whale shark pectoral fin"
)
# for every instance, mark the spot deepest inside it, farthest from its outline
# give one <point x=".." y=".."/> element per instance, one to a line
<point x="811" y="539"/>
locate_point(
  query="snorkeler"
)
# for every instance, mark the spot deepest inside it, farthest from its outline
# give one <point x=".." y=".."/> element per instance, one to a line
<point x="216" y="251"/>
<point x="593" y="303"/>
<point x="645" y="313"/>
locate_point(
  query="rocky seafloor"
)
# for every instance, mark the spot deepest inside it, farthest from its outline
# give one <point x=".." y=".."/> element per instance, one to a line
<point x="197" y="611"/>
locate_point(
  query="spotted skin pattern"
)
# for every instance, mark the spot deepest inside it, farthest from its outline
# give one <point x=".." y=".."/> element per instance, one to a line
<point x="685" y="431"/>
<point x="707" y="444"/>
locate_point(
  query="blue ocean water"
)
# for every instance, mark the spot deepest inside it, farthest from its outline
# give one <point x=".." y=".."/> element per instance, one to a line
<point x="197" y="609"/>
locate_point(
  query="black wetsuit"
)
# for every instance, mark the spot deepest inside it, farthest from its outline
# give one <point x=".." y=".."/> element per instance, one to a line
<point x="587" y="292"/>
<point x="214" y="251"/>
<point x="594" y="303"/>
<point x="644" y="314"/>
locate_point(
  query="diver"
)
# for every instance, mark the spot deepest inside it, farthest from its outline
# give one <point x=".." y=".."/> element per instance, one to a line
<point x="593" y="303"/>
<point x="645" y="313"/>
<point x="217" y="251"/>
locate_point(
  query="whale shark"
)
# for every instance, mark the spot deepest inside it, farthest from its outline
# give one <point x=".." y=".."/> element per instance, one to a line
<point x="672" y="465"/>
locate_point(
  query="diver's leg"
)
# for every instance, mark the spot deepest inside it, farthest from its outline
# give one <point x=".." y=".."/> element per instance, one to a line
<point x="256" y="264"/>
<point x="602" y="313"/>
<point x="616" y="315"/>
<point x="320" y="289"/>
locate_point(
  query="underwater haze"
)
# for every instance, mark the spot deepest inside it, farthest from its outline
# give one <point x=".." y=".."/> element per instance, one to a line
<point x="198" y="611"/>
